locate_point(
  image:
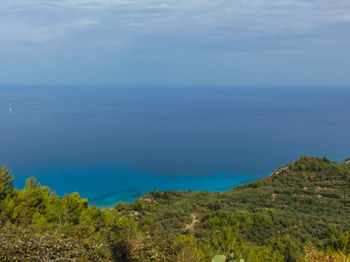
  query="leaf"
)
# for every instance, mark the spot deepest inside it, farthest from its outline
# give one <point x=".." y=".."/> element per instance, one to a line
<point x="219" y="258"/>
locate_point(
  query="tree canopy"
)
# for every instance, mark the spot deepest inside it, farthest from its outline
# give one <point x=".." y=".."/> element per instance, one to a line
<point x="301" y="212"/>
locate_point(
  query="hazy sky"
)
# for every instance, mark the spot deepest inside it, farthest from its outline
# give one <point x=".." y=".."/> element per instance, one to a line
<point x="235" y="42"/>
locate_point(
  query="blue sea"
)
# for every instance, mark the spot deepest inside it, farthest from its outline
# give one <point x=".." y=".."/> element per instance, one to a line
<point x="114" y="144"/>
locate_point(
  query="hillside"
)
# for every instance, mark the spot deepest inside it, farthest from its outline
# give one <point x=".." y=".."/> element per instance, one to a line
<point x="286" y="216"/>
<point x="310" y="195"/>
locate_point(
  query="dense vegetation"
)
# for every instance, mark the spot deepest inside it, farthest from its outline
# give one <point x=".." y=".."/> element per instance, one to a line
<point x="299" y="213"/>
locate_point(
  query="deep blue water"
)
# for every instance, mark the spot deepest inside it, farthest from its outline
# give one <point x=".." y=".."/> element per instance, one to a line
<point x="116" y="143"/>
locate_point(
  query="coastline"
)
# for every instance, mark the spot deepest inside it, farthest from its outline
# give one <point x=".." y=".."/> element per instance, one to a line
<point x="214" y="183"/>
<point x="110" y="186"/>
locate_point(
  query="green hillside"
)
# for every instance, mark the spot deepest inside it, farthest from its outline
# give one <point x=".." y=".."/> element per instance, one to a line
<point x="301" y="212"/>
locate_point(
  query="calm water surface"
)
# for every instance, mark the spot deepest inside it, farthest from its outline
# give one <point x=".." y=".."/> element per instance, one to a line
<point x="113" y="144"/>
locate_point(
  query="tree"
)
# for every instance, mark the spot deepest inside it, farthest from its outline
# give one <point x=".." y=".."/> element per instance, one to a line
<point x="6" y="182"/>
<point x="32" y="199"/>
<point x="73" y="205"/>
<point x="287" y="247"/>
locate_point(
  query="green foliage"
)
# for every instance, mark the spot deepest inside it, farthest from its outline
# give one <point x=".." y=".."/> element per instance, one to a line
<point x="219" y="258"/>
<point x="287" y="247"/>
<point x="29" y="201"/>
<point x="186" y="248"/>
<point x="270" y="220"/>
<point x="18" y="244"/>
<point x="342" y="243"/>
<point x="6" y="180"/>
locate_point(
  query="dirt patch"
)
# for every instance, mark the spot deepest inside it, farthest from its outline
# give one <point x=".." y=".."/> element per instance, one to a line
<point x="135" y="213"/>
<point x="274" y="196"/>
<point x="195" y="220"/>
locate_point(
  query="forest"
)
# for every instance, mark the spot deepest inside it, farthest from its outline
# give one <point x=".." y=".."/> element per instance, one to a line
<point x="301" y="212"/>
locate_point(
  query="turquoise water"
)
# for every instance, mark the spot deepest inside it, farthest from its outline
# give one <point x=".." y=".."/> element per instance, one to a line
<point x="104" y="187"/>
<point x="116" y="143"/>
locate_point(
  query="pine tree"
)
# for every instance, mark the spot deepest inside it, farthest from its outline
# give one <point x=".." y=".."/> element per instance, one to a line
<point x="6" y="182"/>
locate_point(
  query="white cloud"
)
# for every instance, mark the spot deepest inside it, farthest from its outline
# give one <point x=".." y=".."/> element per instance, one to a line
<point x="217" y="22"/>
<point x="344" y="18"/>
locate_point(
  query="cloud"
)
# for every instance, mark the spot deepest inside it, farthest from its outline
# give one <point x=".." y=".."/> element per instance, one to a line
<point x="221" y="20"/>
<point x="171" y="30"/>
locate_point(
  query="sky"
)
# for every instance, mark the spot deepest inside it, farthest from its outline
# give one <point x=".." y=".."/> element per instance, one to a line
<point x="175" y="42"/>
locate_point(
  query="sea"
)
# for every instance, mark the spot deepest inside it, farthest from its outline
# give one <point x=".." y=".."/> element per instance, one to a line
<point x="116" y="143"/>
